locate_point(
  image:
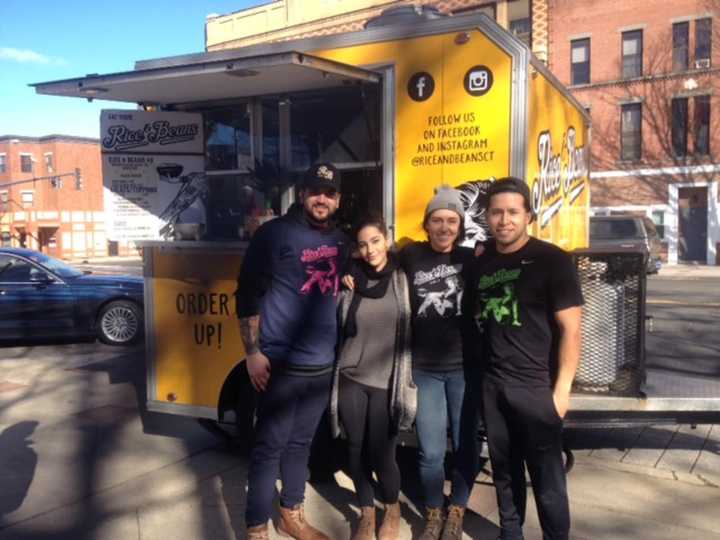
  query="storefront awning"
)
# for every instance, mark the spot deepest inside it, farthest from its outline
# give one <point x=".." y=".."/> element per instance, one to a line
<point x="278" y="73"/>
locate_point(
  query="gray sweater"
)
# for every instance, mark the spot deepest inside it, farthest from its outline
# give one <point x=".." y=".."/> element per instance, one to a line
<point x="403" y="392"/>
<point x="367" y="357"/>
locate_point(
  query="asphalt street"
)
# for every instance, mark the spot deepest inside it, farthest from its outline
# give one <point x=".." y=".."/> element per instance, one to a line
<point x="685" y="315"/>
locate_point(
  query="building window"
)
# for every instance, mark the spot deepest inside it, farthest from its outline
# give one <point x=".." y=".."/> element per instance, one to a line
<point x="580" y="61"/>
<point x="632" y="53"/>
<point x="26" y="163"/>
<point x="3" y="163"/>
<point x="521" y="29"/>
<point x="679" y="119"/>
<point x="703" y="42"/>
<point x="4" y="201"/>
<point x="658" y="218"/>
<point x="681" y="40"/>
<point x="631" y="131"/>
<point x="701" y="124"/>
<point x="49" y="162"/>
<point x="27" y="198"/>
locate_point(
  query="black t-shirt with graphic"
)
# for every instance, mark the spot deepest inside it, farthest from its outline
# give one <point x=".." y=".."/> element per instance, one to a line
<point x="516" y="296"/>
<point x="437" y="283"/>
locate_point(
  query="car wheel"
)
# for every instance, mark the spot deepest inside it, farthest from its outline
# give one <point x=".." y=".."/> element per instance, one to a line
<point x="120" y="323"/>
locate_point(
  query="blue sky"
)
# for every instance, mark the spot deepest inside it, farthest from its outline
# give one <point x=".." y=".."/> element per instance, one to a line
<point x="47" y="40"/>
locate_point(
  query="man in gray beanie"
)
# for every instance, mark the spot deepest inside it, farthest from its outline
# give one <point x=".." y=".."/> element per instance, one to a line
<point x="442" y="343"/>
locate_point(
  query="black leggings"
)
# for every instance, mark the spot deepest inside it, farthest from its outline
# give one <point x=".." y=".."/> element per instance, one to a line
<point x="364" y="414"/>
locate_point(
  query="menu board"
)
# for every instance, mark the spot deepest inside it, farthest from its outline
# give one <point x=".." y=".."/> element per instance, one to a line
<point x="153" y="172"/>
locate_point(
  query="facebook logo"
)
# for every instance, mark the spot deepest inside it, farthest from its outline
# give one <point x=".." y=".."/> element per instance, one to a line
<point x="421" y="86"/>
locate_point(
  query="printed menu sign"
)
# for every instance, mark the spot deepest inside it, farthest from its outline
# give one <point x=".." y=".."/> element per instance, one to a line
<point x="153" y="172"/>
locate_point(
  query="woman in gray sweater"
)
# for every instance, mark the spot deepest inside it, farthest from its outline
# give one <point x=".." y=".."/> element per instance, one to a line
<point x="373" y="396"/>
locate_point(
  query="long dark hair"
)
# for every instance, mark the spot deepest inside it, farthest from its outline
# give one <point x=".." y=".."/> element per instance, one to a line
<point x="373" y="219"/>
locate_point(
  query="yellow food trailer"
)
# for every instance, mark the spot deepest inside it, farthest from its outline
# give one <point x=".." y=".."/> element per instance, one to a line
<point x="398" y="108"/>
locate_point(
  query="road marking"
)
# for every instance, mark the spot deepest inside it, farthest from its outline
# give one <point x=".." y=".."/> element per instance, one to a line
<point x="686" y="304"/>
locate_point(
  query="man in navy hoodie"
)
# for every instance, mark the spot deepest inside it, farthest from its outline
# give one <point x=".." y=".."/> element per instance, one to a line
<point x="286" y="301"/>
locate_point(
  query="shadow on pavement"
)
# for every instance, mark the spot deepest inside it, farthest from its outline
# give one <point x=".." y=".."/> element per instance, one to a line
<point x="96" y="443"/>
<point x="18" y="461"/>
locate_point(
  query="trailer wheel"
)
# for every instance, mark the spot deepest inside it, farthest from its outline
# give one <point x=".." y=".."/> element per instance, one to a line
<point x="569" y="458"/>
<point x="327" y="455"/>
<point x="245" y="405"/>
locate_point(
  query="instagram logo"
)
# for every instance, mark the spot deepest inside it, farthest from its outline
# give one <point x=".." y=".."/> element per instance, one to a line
<point x="478" y="81"/>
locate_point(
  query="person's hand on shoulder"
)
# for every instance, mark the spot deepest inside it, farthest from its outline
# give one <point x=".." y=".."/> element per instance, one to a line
<point x="349" y="282"/>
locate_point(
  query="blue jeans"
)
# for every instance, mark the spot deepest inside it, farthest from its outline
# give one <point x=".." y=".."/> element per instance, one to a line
<point x="442" y="398"/>
<point x="288" y="415"/>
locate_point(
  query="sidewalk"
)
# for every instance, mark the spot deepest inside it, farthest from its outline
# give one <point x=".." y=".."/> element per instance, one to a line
<point x="689" y="271"/>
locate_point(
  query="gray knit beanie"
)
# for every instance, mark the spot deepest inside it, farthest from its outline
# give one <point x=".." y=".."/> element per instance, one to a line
<point x="446" y="198"/>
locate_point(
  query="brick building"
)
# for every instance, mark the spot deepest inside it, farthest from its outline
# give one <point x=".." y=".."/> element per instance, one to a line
<point x="61" y="217"/>
<point x="649" y="72"/>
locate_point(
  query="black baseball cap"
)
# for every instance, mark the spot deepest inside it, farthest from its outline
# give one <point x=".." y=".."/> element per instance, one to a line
<point x="322" y="176"/>
<point x="510" y="184"/>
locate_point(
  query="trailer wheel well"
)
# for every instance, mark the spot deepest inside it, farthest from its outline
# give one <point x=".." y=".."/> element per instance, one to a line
<point x="234" y="384"/>
<point x="238" y="398"/>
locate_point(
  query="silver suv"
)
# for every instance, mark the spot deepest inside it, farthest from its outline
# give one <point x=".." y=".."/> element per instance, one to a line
<point x="627" y="233"/>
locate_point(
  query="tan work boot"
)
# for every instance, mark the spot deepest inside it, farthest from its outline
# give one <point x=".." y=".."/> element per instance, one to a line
<point x="390" y="527"/>
<point x="453" y="529"/>
<point x="293" y="525"/>
<point x="366" y="526"/>
<point x="258" y="532"/>
<point x="433" y="524"/>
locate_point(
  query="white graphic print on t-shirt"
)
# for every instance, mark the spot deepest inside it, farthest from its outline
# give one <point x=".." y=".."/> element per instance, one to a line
<point x="440" y="289"/>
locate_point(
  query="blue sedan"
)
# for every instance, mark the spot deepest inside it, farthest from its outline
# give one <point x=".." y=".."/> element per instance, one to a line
<point x="42" y="297"/>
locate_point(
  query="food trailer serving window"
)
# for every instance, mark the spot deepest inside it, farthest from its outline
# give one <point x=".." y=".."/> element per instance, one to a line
<point x="228" y="143"/>
<point x="339" y="125"/>
<point x="265" y="119"/>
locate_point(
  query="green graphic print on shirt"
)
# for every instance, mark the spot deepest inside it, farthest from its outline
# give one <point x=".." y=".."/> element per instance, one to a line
<point x="498" y="298"/>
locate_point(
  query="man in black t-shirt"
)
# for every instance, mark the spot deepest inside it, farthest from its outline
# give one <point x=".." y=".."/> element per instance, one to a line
<point x="528" y="303"/>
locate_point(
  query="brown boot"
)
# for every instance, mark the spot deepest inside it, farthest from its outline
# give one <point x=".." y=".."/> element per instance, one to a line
<point x="390" y="527"/>
<point x="366" y="526"/>
<point x="293" y="525"/>
<point x="453" y="529"/>
<point x="433" y="524"/>
<point x="259" y="532"/>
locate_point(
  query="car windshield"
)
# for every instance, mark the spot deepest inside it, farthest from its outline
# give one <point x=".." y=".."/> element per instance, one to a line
<point x="57" y="267"/>
<point x="613" y="228"/>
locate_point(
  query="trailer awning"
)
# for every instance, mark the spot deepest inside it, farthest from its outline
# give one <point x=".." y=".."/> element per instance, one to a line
<point x="277" y="73"/>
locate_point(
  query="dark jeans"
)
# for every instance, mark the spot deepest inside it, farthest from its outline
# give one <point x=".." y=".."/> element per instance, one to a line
<point x="365" y="415"/>
<point x="523" y="428"/>
<point x="287" y="417"/>
<point x="442" y="399"/>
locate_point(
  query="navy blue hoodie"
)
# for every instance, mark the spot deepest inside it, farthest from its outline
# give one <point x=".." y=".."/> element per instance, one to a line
<point x="290" y="276"/>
